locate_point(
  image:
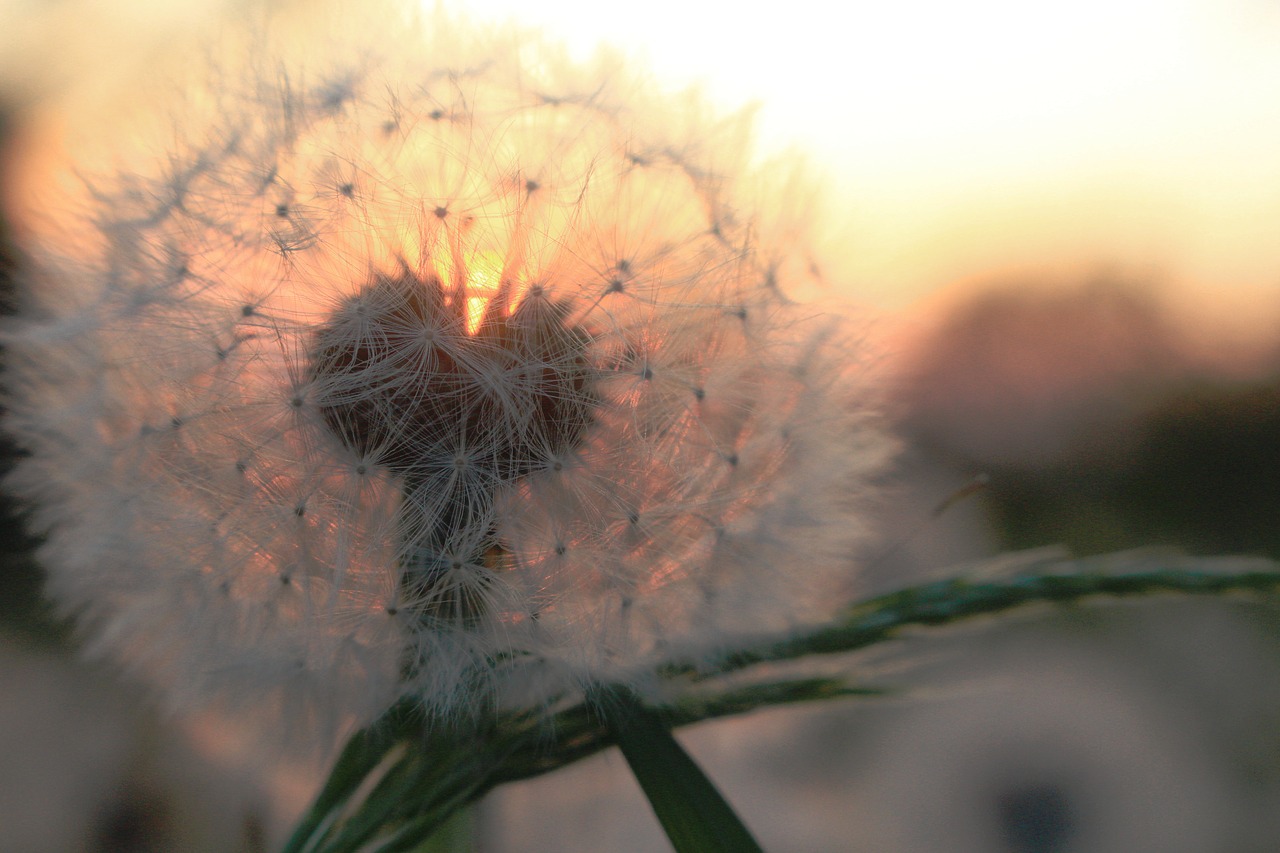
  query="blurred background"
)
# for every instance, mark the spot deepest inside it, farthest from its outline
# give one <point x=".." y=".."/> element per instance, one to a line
<point x="1064" y="225"/>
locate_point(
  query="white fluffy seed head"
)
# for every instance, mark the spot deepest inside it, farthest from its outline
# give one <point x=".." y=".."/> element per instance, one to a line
<point x="431" y="366"/>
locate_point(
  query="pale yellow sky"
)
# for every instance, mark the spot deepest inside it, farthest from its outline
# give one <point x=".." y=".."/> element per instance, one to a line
<point x="998" y="136"/>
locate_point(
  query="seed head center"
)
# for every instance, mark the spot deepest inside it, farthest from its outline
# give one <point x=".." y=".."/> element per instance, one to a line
<point x="403" y="382"/>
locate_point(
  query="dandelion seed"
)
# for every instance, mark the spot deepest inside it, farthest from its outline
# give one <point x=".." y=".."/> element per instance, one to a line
<point x="468" y="400"/>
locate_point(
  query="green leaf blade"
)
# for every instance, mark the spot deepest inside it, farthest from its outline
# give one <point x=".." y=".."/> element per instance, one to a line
<point x="692" y="811"/>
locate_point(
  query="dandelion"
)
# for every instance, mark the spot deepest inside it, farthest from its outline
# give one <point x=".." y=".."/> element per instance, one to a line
<point x="431" y="366"/>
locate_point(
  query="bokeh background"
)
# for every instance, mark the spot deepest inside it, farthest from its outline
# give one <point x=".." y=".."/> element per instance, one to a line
<point x="1063" y="224"/>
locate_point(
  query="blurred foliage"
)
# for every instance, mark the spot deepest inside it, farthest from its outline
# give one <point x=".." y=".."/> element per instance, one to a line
<point x="1096" y="425"/>
<point x="1201" y="474"/>
<point x="1018" y="375"/>
<point x="24" y="612"/>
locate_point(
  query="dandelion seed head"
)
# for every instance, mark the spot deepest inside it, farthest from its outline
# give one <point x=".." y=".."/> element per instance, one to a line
<point x="430" y="366"/>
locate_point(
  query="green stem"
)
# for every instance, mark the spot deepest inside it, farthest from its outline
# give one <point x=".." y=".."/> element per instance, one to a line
<point x="958" y="599"/>
<point x="361" y="756"/>
<point x="441" y="772"/>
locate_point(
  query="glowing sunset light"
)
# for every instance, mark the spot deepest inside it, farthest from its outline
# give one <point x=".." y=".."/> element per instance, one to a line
<point x="475" y="312"/>
<point x="482" y="289"/>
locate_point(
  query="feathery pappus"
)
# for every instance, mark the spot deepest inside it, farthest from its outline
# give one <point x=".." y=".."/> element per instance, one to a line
<point x="431" y="365"/>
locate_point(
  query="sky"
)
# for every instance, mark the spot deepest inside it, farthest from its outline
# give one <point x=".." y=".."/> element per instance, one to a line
<point x="997" y="139"/>
<point x="960" y="144"/>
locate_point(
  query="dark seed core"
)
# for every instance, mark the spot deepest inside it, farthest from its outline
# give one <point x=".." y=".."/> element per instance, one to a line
<point x="403" y="382"/>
